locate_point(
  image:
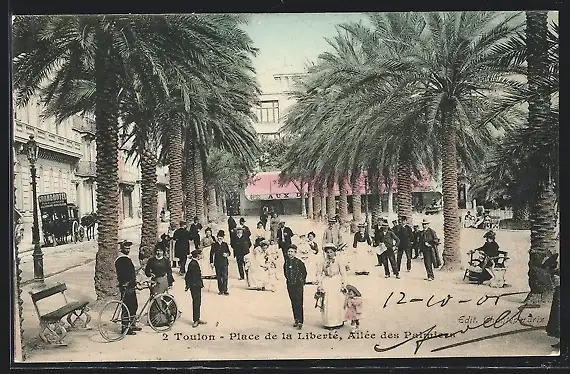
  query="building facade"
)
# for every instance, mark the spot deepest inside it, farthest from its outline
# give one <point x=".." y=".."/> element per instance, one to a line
<point x="264" y="190"/>
<point x="274" y="103"/>
<point x="67" y="163"/>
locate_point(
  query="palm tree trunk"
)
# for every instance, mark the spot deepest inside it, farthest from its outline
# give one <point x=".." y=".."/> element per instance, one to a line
<point x="324" y="203"/>
<point x="107" y="143"/>
<point x="219" y="204"/>
<point x="331" y="202"/>
<point x="303" y="201"/>
<point x="198" y="171"/>
<point x="521" y="212"/>
<point x="343" y="202"/>
<point x="542" y="214"/>
<point x="317" y="203"/>
<point x="451" y="226"/>
<point x="310" y="207"/>
<point x="356" y="186"/>
<point x="149" y="202"/>
<point x="189" y="183"/>
<point x="404" y="186"/>
<point x="175" y="157"/>
<point x="375" y="201"/>
<point x="212" y="208"/>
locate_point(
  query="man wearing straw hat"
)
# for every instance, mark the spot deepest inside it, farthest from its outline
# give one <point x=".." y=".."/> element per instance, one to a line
<point x="332" y="234"/>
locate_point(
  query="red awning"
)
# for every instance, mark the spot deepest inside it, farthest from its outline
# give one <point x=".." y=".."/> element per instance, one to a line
<point x="265" y="186"/>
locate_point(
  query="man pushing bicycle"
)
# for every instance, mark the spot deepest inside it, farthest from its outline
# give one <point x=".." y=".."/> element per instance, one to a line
<point x="126" y="277"/>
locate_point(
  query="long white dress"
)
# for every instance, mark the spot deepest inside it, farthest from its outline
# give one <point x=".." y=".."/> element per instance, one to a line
<point x="205" y="268"/>
<point x="256" y="267"/>
<point x="363" y="255"/>
<point x="310" y="259"/>
<point x="332" y="276"/>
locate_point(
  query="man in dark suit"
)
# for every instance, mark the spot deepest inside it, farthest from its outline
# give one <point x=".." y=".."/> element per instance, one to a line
<point x="182" y="245"/>
<point x="295" y="275"/>
<point x="428" y="246"/>
<point x="246" y="230"/>
<point x="219" y="254"/>
<point x="127" y="279"/>
<point x="284" y="237"/>
<point x="406" y="236"/>
<point x="241" y="244"/>
<point x="194" y="283"/>
<point x="231" y="225"/>
<point x="194" y="231"/>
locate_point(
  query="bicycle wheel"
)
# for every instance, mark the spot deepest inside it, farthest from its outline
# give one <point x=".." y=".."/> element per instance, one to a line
<point x="162" y="312"/>
<point x="111" y="319"/>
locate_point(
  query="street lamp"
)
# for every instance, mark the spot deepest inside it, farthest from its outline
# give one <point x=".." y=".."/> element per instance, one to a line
<point x="32" y="151"/>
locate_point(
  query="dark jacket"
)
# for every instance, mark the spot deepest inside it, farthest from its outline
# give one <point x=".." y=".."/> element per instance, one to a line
<point x="361" y="238"/>
<point x="491" y="249"/>
<point x="193" y="276"/>
<point x="284" y="241"/>
<point x="159" y="268"/>
<point x="428" y="236"/>
<point x="389" y="239"/>
<point x="241" y="245"/>
<point x="194" y="231"/>
<point x="295" y="271"/>
<point x="406" y="237"/>
<point x="126" y="275"/>
<point x="231" y="225"/>
<point x="182" y="245"/>
<point x="246" y="231"/>
<point x="217" y="251"/>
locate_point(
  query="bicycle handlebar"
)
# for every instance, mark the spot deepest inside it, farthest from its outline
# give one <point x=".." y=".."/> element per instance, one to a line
<point x="145" y="284"/>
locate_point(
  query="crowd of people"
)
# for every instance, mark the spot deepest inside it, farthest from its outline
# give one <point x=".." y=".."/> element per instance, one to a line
<point x="258" y="254"/>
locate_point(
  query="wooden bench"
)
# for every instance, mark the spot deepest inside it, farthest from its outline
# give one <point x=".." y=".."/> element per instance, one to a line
<point x="497" y="270"/>
<point x="52" y="328"/>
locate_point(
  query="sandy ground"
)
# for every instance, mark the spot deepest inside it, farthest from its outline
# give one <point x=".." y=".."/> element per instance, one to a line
<point x="257" y="325"/>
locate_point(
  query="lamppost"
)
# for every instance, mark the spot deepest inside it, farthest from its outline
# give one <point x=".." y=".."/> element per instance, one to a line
<point x="32" y="151"/>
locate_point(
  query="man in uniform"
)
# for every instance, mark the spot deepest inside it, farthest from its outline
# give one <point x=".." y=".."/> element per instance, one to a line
<point x="126" y="277"/>
<point x="295" y="276"/>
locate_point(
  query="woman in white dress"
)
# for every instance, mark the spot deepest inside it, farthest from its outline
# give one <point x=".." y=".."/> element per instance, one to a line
<point x="309" y="255"/>
<point x="332" y="277"/>
<point x="259" y="234"/>
<point x="362" y="254"/>
<point x="257" y="268"/>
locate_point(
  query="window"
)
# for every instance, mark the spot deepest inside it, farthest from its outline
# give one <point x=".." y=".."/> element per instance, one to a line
<point x="268" y="111"/>
<point x="127" y="203"/>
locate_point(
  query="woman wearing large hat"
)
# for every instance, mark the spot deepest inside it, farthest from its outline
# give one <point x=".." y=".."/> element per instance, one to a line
<point x="332" y="277"/>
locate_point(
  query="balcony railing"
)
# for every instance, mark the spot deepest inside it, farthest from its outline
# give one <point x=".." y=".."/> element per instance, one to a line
<point x="86" y="169"/>
<point x="46" y="139"/>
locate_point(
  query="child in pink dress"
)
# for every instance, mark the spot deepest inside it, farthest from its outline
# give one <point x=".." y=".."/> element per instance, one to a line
<point x="353" y="306"/>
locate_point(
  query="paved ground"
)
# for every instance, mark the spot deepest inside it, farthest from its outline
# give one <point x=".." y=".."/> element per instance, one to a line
<point x="256" y="313"/>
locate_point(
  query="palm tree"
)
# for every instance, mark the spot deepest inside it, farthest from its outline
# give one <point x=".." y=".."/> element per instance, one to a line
<point x="63" y="52"/>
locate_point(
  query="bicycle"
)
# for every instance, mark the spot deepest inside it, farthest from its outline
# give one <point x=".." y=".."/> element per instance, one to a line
<point x="162" y="313"/>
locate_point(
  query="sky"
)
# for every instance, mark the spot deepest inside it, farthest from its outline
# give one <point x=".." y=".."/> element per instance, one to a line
<point x="287" y="40"/>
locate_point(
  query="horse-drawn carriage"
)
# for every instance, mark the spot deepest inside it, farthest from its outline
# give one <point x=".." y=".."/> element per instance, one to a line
<point x="60" y="219"/>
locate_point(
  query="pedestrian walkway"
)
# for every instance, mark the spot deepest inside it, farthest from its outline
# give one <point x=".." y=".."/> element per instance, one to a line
<point x="256" y="312"/>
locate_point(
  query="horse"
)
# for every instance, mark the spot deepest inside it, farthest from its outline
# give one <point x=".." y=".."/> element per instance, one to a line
<point x="89" y="221"/>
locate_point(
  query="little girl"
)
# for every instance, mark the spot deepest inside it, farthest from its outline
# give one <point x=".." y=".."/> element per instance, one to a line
<point x="353" y="306"/>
